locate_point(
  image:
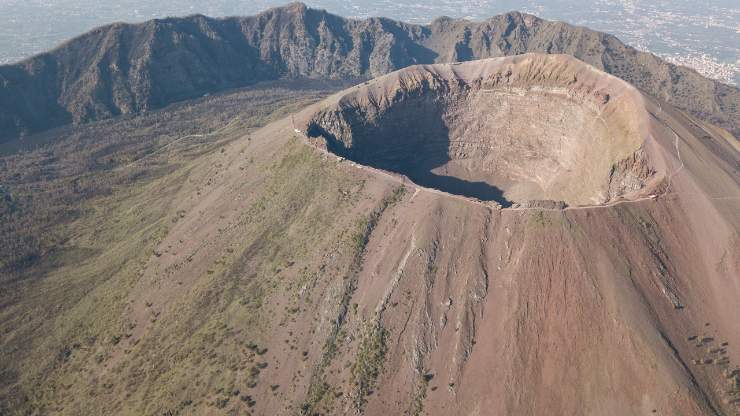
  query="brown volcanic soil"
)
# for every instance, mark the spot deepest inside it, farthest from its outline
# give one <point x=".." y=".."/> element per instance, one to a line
<point x="405" y="300"/>
<point x="284" y="280"/>
<point x="626" y="308"/>
<point x="532" y="127"/>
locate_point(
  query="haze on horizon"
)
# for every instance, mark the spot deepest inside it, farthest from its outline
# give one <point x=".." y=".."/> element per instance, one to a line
<point x="704" y="35"/>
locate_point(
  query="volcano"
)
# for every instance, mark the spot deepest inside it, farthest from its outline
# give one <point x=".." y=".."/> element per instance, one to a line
<point x="524" y="235"/>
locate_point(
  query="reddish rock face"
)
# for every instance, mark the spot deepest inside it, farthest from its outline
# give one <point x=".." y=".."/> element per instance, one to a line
<point x="608" y="306"/>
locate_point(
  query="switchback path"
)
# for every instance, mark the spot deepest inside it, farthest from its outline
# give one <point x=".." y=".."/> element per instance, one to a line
<point x="178" y="140"/>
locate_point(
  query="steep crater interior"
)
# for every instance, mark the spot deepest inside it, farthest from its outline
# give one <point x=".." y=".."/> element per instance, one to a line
<point x="498" y="137"/>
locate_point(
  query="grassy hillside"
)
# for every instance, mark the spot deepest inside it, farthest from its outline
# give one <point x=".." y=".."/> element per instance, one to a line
<point x="80" y="221"/>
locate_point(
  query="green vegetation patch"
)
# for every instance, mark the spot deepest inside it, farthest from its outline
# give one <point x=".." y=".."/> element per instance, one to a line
<point x="369" y="361"/>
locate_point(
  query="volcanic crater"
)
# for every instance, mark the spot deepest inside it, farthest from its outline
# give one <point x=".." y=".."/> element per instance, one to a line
<point x="511" y="130"/>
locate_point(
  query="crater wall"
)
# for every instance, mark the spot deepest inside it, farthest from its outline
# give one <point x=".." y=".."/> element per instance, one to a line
<point x="531" y="127"/>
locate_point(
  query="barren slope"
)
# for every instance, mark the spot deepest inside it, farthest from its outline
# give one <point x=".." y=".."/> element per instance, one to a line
<point x="282" y="280"/>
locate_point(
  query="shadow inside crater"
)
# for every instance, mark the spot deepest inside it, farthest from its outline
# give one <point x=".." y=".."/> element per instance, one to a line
<point x="419" y="168"/>
<point x="413" y="141"/>
<point x="457" y="186"/>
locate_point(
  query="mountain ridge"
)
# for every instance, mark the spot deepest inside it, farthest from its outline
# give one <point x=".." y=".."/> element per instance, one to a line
<point x="133" y="68"/>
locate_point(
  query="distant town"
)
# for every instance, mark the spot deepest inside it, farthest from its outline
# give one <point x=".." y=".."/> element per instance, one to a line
<point x="707" y="66"/>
